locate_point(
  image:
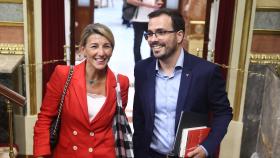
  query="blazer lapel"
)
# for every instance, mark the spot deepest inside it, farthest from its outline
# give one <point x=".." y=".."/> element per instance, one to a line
<point x="109" y="106"/>
<point x="184" y="86"/>
<point x="79" y="85"/>
<point x="150" y="86"/>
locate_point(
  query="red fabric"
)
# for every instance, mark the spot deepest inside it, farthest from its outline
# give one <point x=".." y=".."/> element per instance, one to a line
<point x="223" y="37"/>
<point x="224" y="30"/>
<point x="53" y="35"/>
<point x="75" y="117"/>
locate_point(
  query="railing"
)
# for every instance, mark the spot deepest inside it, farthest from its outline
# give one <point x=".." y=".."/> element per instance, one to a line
<point x="11" y="97"/>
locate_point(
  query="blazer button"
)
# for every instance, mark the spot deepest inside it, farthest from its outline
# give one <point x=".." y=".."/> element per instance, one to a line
<point x="90" y="150"/>
<point x="75" y="133"/>
<point x="91" y="134"/>
<point x="75" y="147"/>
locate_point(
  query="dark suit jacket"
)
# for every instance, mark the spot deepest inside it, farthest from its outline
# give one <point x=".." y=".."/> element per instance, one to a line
<point x="202" y="90"/>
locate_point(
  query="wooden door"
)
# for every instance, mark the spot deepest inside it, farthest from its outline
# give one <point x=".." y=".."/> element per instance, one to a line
<point x="82" y="14"/>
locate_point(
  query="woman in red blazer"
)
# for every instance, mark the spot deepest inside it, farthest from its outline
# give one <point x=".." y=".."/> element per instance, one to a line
<point x="89" y="105"/>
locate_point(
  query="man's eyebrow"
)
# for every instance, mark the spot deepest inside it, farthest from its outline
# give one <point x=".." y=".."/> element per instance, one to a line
<point x="158" y="29"/>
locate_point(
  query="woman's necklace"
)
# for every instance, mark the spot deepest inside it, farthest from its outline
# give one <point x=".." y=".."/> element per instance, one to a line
<point x="91" y="82"/>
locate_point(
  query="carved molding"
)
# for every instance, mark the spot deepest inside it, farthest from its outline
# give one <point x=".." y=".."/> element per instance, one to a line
<point x="268" y="9"/>
<point x="8" y="23"/>
<point x="11" y="1"/>
<point x="265" y="59"/>
<point x="11" y="49"/>
<point x="266" y="31"/>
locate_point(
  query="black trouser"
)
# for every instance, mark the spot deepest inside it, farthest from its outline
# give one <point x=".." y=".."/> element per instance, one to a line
<point x="139" y="29"/>
<point x="154" y="154"/>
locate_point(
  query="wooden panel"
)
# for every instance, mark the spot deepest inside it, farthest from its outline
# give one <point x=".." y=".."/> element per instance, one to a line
<point x="195" y="47"/>
<point x="266" y="44"/>
<point x="268" y="3"/>
<point x="11" y="34"/>
<point x="193" y="11"/>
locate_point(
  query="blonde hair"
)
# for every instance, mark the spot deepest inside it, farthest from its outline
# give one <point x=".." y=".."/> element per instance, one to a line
<point x="97" y="28"/>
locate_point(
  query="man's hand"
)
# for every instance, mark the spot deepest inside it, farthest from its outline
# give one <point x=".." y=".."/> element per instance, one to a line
<point x="197" y="153"/>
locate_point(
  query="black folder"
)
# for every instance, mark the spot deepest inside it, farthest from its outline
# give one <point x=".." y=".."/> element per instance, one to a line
<point x="188" y="120"/>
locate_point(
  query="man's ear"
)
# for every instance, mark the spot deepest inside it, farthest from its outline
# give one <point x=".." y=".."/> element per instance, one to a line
<point x="180" y="36"/>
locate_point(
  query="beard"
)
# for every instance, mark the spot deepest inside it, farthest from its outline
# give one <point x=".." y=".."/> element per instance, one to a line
<point x="165" y="51"/>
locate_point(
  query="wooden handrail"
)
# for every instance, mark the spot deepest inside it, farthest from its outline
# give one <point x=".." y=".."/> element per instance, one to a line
<point x="12" y="95"/>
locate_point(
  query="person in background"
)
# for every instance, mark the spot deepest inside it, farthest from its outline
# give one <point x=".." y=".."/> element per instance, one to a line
<point x="90" y="102"/>
<point x="171" y="82"/>
<point x="125" y="21"/>
<point x="140" y="22"/>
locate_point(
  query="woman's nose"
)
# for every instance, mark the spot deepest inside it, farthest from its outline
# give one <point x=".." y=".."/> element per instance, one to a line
<point x="101" y="51"/>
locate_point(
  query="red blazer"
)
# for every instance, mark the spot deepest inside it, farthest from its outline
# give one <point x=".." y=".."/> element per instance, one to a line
<point x="78" y="137"/>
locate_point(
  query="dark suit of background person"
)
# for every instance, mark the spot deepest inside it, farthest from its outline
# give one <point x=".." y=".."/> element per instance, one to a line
<point x="201" y="90"/>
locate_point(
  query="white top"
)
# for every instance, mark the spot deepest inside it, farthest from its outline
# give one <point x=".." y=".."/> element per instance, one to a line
<point x="95" y="103"/>
<point x="143" y="12"/>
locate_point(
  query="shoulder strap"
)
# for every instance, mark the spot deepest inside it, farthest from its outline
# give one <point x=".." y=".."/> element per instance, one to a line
<point x="118" y="90"/>
<point x="121" y="129"/>
<point x="63" y="96"/>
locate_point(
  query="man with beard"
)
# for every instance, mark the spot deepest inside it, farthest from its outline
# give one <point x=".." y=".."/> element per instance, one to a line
<point x="171" y="82"/>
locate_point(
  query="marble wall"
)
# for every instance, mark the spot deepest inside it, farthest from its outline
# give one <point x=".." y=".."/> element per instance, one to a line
<point x="261" y="134"/>
<point x="266" y="31"/>
<point x="252" y="109"/>
<point x="268" y="141"/>
<point x="11" y="12"/>
<point x="267" y="20"/>
<point x="11" y="23"/>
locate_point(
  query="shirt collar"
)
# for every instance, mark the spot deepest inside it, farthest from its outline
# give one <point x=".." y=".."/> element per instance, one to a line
<point x="179" y="63"/>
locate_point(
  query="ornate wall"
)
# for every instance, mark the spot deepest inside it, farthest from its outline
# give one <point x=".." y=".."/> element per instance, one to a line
<point x="194" y="12"/>
<point x="260" y="138"/>
<point x="11" y="54"/>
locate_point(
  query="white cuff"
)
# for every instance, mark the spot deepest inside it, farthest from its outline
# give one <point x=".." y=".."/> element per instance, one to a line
<point x="206" y="153"/>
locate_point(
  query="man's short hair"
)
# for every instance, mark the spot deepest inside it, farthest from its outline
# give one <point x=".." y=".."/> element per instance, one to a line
<point x="178" y="22"/>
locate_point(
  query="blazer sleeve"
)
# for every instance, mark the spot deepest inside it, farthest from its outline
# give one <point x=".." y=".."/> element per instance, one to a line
<point x="48" y="111"/>
<point x="220" y="109"/>
<point x="124" y="83"/>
